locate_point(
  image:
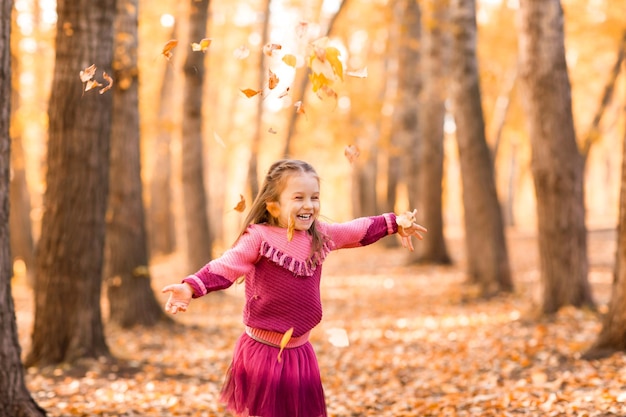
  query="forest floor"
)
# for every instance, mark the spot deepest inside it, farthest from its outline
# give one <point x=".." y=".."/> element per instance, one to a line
<point x="396" y="341"/>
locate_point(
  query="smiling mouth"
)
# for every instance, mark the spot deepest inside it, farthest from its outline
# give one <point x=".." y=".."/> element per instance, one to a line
<point x="304" y="217"/>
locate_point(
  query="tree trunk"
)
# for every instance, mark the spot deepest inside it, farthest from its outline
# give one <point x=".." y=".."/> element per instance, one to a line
<point x="253" y="164"/>
<point x="427" y="171"/>
<point x="199" y="245"/>
<point x="161" y="224"/>
<point x="126" y="274"/>
<point x="68" y="324"/>
<point x="22" y="244"/>
<point x="556" y="164"/>
<point x="15" y="400"/>
<point x="612" y="337"/>
<point x="404" y="41"/>
<point x="485" y="244"/>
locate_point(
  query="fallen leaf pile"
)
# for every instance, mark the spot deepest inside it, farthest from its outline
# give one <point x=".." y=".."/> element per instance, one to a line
<point x="395" y="341"/>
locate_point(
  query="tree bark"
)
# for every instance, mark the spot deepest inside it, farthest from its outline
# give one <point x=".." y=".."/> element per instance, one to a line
<point x="69" y="260"/>
<point x="15" y="400"/>
<point x="22" y="243"/>
<point x="426" y="193"/>
<point x="556" y="163"/>
<point x="253" y="164"/>
<point x="485" y="244"/>
<point x="126" y="273"/>
<point x="612" y="337"/>
<point x="199" y="245"/>
<point x="161" y="224"/>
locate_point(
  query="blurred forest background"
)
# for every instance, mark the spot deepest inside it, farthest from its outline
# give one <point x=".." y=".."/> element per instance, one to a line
<point x="378" y="95"/>
<point x="361" y="115"/>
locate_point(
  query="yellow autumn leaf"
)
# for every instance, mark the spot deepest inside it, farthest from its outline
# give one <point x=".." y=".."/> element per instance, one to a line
<point x="290" y="60"/>
<point x="283" y="342"/>
<point x="332" y="56"/>
<point x="201" y="46"/>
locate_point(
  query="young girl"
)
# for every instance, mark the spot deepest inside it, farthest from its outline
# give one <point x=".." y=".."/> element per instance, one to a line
<point x="274" y="371"/>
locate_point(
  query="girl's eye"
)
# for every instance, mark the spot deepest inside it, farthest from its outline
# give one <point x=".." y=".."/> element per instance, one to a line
<point x="316" y="197"/>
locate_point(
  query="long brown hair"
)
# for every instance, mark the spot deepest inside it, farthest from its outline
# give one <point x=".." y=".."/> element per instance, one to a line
<point x="273" y="184"/>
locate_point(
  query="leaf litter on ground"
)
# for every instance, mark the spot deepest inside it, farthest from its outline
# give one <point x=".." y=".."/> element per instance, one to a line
<point x="396" y="340"/>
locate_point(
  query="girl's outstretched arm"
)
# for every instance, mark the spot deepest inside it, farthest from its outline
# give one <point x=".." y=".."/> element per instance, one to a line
<point x="180" y="297"/>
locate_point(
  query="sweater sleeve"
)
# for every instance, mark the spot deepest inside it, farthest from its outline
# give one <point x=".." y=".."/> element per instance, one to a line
<point x="362" y="231"/>
<point x="222" y="272"/>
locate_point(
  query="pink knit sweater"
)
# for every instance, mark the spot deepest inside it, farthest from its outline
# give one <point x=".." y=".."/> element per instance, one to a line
<point x="282" y="278"/>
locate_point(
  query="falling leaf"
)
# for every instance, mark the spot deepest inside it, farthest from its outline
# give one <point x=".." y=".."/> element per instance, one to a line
<point x="283" y="342"/>
<point x="91" y="84"/>
<point x="352" y="153"/>
<point x="301" y="29"/>
<point x="241" y="205"/>
<point x="269" y="48"/>
<point x="273" y="80"/>
<point x="88" y="73"/>
<point x="299" y="107"/>
<point x="362" y="73"/>
<point x="284" y="93"/>
<point x="272" y="131"/>
<point x="202" y="46"/>
<point x="109" y="80"/>
<point x="407" y="218"/>
<point x="250" y="92"/>
<point x="290" y="60"/>
<point x="167" y="49"/>
<point x="242" y="52"/>
<point x="218" y="139"/>
<point x="68" y="30"/>
<point x="291" y="226"/>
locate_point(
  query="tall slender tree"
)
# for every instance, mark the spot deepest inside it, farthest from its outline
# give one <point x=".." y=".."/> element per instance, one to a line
<point x="426" y="193"/>
<point x="199" y="245"/>
<point x="126" y="273"/>
<point x="556" y="163"/>
<point x="15" y="400"/>
<point x="405" y="41"/>
<point x="161" y="227"/>
<point x="69" y="260"/>
<point x="612" y="337"/>
<point x="485" y="243"/>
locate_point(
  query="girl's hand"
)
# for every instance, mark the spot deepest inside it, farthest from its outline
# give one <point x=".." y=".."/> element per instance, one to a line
<point x="407" y="228"/>
<point x="180" y="297"/>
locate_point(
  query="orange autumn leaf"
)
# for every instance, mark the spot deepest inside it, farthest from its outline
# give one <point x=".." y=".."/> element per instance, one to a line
<point x="91" y="84"/>
<point x="283" y="342"/>
<point x="201" y="46"/>
<point x="109" y="80"/>
<point x="351" y="152"/>
<point x="241" y="205"/>
<point x="299" y="107"/>
<point x="291" y="226"/>
<point x="167" y="49"/>
<point x="269" y="48"/>
<point x="250" y="92"/>
<point x="273" y="80"/>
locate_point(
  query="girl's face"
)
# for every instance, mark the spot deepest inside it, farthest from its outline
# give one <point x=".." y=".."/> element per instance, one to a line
<point x="299" y="201"/>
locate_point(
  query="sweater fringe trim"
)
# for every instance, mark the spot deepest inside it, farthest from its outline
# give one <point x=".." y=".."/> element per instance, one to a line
<point x="303" y="268"/>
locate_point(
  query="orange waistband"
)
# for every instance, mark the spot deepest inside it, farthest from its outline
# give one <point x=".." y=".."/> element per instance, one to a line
<point x="273" y="338"/>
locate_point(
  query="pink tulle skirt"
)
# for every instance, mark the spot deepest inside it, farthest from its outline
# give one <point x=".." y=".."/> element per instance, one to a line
<point x="259" y="385"/>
